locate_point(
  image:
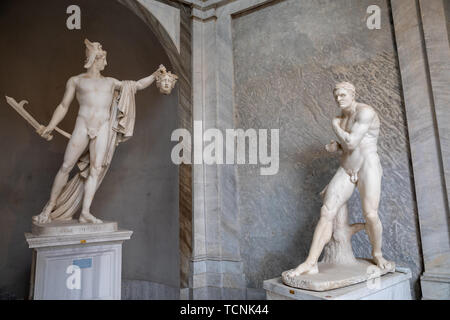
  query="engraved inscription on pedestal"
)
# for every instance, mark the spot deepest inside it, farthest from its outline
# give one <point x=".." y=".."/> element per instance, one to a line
<point x="71" y="227"/>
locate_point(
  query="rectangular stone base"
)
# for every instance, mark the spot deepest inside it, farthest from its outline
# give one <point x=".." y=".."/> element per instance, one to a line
<point x="77" y="267"/>
<point x="71" y="227"/>
<point x="392" y="286"/>
<point x="334" y="276"/>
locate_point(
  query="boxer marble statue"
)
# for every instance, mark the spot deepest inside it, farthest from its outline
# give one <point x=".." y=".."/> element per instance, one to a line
<point x="357" y="130"/>
<point x="105" y="118"/>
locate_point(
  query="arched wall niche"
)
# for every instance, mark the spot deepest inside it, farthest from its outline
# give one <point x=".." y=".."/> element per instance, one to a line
<point x="41" y="55"/>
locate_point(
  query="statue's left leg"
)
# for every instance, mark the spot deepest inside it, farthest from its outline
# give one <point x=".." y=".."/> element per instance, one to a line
<point x="337" y="193"/>
<point x="97" y="152"/>
<point x="369" y="186"/>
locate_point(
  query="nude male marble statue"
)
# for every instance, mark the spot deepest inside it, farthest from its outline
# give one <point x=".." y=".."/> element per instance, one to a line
<point x="357" y="130"/>
<point x="102" y="117"/>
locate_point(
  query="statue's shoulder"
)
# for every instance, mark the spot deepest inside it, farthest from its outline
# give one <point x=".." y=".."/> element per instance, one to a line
<point x="362" y="107"/>
<point x="113" y="80"/>
<point x="72" y="81"/>
<point x="365" y="111"/>
<point x="75" y="79"/>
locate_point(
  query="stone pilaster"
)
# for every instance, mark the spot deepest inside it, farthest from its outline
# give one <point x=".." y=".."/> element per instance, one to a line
<point x="216" y="267"/>
<point x="424" y="57"/>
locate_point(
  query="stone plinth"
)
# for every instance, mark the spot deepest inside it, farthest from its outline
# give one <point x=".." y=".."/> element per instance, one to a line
<point x="71" y="227"/>
<point x="332" y="276"/>
<point x="391" y="286"/>
<point x="76" y="266"/>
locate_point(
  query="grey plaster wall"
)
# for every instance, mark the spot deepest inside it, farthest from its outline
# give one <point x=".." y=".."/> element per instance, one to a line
<point x="287" y="58"/>
<point x="140" y="190"/>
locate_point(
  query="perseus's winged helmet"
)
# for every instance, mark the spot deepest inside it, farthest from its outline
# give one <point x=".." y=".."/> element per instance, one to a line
<point x="93" y="50"/>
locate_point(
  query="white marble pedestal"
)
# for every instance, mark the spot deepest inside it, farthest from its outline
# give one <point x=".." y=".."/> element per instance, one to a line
<point x="392" y="286"/>
<point x="76" y="263"/>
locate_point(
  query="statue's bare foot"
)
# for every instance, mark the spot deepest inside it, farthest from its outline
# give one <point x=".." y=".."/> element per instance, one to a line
<point x="382" y="263"/>
<point x="44" y="217"/>
<point x="304" y="268"/>
<point x="86" y="217"/>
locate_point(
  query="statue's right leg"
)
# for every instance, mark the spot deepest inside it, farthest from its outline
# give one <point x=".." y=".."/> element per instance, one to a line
<point x="97" y="152"/>
<point x="75" y="148"/>
<point x="337" y="194"/>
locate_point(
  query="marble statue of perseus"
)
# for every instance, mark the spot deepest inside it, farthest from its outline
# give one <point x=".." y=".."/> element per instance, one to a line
<point x="357" y="130"/>
<point x="106" y="117"/>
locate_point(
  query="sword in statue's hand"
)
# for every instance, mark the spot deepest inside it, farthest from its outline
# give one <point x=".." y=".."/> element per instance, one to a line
<point x="18" y="106"/>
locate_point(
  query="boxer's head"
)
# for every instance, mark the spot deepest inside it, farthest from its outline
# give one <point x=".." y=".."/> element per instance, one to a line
<point x="344" y="94"/>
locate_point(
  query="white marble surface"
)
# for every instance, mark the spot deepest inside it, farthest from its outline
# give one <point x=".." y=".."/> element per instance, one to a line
<point x="76" y="239"/>
<point x="99" y="280"/>
<point x="333" y="276"/>
<point x="98" y="257"/>
<point x="393" y="286"/>
<point x="71" y="227"/>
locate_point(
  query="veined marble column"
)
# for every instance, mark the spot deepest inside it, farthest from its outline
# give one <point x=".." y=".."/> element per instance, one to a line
<point x="216" y="266"/>
<point x="424" y="57"/>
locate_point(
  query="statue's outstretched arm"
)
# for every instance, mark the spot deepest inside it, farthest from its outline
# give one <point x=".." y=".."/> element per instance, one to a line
<point x="61" y="109"/>
<point x="145" y="82"/>
<point x="360" y="127"/>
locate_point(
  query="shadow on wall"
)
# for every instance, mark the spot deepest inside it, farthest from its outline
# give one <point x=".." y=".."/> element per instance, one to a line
<point x="140" y="190"/>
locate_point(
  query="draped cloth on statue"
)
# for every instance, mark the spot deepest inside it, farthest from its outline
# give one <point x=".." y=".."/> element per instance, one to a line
<point x="121" y="126"/>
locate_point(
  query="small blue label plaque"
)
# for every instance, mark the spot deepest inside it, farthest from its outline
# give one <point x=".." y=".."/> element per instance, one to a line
<point x="83" y="263"/>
